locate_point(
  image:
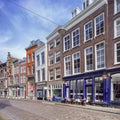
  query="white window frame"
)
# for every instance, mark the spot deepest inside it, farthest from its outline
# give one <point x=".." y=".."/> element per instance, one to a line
<point x="115" y="29"/>
<point x="56" y="42"/>
<point x="29" y="70"/>
<point x="85" y="58"/>
<point x="50" y="46"/>
<point x="96" y="56"/>
<point x="49" y="74"/>
<point x="115" y="7"/>
<point x="65" y="65"/>
<point x="51" y="56"/>
<point x="41" y="57"/>
<point x="64" y="42"/>
<point x="75" y="36"/>
<point x="42" y="74"/>
<point x="56" y="56"/>
<point x="56" y="74"/>
<point x="33" y="57"/>
<point x="73" y="63"/>
<point x="29" y="58"/>
<point x="115" y="53"/>
<point x="38" y="58"/>
<point x="38" y="71"/>
<point x="85" y="31"/>
<point x="33" y="69"/>
<point x="95" y="24"/>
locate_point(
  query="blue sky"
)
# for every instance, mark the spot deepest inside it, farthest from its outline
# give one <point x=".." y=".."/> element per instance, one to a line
<point x="18" y="26"/>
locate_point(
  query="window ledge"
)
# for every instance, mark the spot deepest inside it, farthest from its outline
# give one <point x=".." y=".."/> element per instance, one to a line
<point x="115" y="13"/>
<point x="116" y="63"/>
<point x="85" y="41"/>
<point x="100" y="68"/>
<point x="57" y="79"/>
<point x="75" y="46"/>
<point x="86" y="71"/>
<point x="76" y="73"/>
<point x="67" y="75"/>
<point x="115" y="37"/>
<point x="99" y="35"/>
<point x="66" y="50"/>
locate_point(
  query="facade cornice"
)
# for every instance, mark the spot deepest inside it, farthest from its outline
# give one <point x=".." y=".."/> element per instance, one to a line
<point x="85" y="13"/>
<point x="53" y="34"/>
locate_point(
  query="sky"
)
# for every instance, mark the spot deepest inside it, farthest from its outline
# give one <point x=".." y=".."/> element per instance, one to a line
<point x="19" y="26"/>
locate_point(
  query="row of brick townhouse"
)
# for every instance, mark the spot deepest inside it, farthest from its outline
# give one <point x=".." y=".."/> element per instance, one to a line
<point x="14" y="77"/>
<point x="3" y="80"/>
<point x="80" y="59"/>
<point x="91" y="52"/>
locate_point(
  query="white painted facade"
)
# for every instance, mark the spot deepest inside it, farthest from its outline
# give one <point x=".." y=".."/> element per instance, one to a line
<point x="40" y="66"/>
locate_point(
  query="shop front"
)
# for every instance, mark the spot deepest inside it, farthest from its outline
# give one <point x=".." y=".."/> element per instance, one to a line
<point x="96" y="87"/>
<point x="55" y="91"/>
<point x="31" y="88"/>
<point x="41" y="91"/>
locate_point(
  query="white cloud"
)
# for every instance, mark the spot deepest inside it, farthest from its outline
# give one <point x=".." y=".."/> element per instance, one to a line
<point x="5" y="36"/>
<point x="27" y="26"/>
<point x="56" y="12"/>
<point x="16" y="51"/>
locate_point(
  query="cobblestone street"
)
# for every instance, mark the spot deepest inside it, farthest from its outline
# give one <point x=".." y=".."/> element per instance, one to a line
<point x="38" y="110"/>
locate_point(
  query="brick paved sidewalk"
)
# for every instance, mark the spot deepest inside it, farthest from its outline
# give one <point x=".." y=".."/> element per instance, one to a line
<point x="4" y="117"/>
<point x="90" y="107"/>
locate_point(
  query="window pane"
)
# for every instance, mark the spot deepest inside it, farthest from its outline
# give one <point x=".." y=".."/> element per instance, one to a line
<point x="99" y="24"/>
<point x="67" y="65"/>
<point x="89" y="58"/>
<point x="76" y="37"/>
<point x="118" y="52"/>
<point x="43" y="57"/>
<point x="67" y="42"/>
<point x="57" y="56"/>
<point x="100" y="55"/>
<point x="57" y="73"/>
<point x="76" y="58"/>
<point x="88" y="31"/>
<point x="118" y="5"/>
<point x="38" y="60"/>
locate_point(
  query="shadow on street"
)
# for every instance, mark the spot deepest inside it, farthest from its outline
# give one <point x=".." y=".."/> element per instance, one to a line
<point x="4" y="103"/>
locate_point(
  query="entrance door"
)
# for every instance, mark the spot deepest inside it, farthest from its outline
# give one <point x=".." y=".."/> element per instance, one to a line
<point x="89" y="93"/>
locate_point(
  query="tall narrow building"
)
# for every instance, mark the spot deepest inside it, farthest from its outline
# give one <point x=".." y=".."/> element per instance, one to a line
<point x="41" y="71"/>
<point x="54" y="57"/>
<point x="30" y="68"/>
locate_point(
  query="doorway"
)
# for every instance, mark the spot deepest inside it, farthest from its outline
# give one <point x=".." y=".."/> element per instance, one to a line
<point x="89" y="93"/>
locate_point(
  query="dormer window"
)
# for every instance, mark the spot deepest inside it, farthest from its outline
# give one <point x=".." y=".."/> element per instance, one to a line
<point x="75" y="12"/>
<point x="86" y="3"/>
